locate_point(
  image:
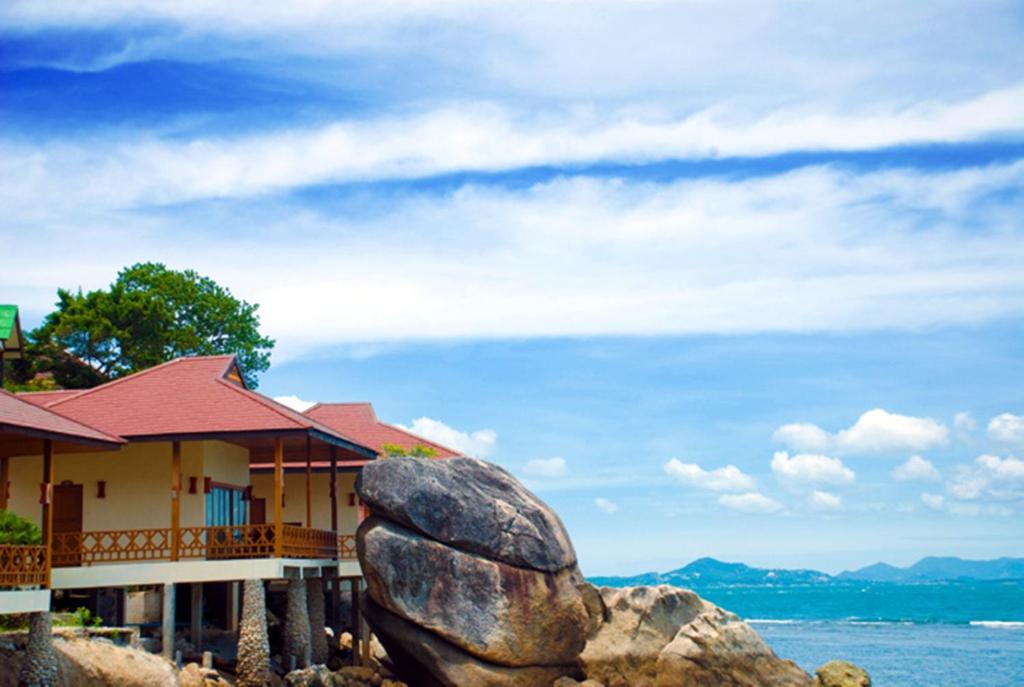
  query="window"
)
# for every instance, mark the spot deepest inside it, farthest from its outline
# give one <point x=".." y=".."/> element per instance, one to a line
<point x="226" y="506"/>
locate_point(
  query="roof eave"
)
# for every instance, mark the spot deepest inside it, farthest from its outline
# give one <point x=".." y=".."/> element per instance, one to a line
<point x="112" y="444"/>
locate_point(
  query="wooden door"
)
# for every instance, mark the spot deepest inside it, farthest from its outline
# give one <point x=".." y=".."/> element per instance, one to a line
<point x="67" y="519"/>
<point x="258" y="514"/>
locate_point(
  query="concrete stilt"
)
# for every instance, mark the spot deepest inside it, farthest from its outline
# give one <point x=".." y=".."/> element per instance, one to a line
<point x="317" y="623"/>
<point x="357" y="619"/>
<point x="335" y="617"/>
<point x="232" y="607"/>
<point x="296" y="624"/>
<point x="196" y="616"/>
<point x="167" y="631"/>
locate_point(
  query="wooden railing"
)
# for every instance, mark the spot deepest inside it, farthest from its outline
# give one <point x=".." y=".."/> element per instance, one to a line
<point x="211" y="543"/>
<point x="346" y="547"/>
<point x="302" y="542"/>
<point x="22" y="566"/>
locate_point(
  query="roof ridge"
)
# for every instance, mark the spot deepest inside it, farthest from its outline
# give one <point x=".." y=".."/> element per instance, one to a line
<point x="140" y="373"/>
<point x="286" y="412"/>
<point x="267" y="402"/>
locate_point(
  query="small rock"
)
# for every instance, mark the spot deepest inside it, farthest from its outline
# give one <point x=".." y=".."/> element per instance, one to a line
<point x="314" y="676"/>
<point x="841" y="674"/>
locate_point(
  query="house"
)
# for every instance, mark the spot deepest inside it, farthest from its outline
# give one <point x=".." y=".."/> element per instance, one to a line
<point x="359" y="422"/>
<point x="28" y="430"/>
<point x="11" y="339"/>
<point x="176" y="503"/>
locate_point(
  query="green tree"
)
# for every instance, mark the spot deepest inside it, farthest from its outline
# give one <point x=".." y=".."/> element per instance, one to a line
<point x="417" y="451"/>
<point x="16" y="530"/>
<point x="149" y="315"/>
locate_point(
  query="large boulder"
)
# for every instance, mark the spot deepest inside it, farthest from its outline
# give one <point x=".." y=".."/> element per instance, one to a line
<point x="471" y="579"/>
<point x="429" y="661"/>
<point x="495" y="611"/>
<point x="470" y="505"/>
<point x="665" y="636"/>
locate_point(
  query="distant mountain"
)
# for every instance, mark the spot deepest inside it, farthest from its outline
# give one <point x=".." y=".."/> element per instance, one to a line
<point x="708" y="572"/>
<point x="934" y="569"/>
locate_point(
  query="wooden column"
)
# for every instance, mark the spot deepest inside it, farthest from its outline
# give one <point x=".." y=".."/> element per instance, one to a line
<point x="334" y="489"/>
<point x="278" y="496"/>
<point x="47" y="498"/>
<point x="309" y="482"/>
<point x="175" y="499"/>
<point x="5" y="480"/>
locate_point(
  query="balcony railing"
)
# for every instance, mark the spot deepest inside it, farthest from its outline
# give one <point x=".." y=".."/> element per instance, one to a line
<point x="211" y="543"/>
<point x="22" y="566"/>
<point x="346" y="547"/>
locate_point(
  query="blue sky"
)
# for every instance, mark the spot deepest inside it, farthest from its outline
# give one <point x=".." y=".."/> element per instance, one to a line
<point x="736" y="280"/>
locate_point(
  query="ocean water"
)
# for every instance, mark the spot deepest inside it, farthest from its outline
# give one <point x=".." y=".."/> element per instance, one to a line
<point x="906" y="635"/>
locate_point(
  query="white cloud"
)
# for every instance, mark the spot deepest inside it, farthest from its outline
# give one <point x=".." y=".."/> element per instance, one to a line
<point x="939" y="503"/>
<point x="823" y="500"/>
<point x="916" y="469"/>
<point x="989" y="476"/>
<point x="964" y="422"/>
<point x="295" y="403"/>
<point x="876" y="431"/>
<point x="806" y="469"/>
<point x="479" y="444"/>
<point x="879" y="431"/>
<point x="789" y="253"/>
<point x="482" y="137"/>
<point x="728" y="478"/>
<point x="751" y="502"/>
<point x="546" y="467"/>
<point x="803" y="436"/>
<point x="606" y="505"/>
<point x="1007" y="427"/>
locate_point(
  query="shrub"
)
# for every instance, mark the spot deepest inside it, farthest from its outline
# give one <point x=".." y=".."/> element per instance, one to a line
<point x="16" y="530"/>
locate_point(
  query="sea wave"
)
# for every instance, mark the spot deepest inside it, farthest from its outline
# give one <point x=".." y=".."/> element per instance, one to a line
<point x="1002" y="624"/>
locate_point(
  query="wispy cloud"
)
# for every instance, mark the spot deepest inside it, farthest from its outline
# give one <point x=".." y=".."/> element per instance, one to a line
<point x="789" y="252"/>
<point x="142" y="170"/>
<point x="727" y="478"/>
<point x="752" y="502"/>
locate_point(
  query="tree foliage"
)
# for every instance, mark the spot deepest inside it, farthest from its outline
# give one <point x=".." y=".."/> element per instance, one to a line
<point x="417" y="451"/>
<point x="17" y="531"/>
<point x="149" y="315"/>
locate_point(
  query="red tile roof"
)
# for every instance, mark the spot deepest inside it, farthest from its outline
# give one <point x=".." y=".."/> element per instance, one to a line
<point x="45" y="398"/>
<point x="21" y="417"/>
<point x="359" y="421"/>
<point x="186" y="396"/>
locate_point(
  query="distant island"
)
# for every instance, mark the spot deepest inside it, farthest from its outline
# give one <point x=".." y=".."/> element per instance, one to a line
<point x="705" y="572"/>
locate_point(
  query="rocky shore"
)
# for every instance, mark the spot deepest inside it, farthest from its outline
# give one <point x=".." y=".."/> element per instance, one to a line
<point x="472" y="580"/>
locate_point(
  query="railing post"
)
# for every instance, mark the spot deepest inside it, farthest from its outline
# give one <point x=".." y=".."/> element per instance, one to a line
<point x="5" y="479"/>
<point x="47" y="498"/>
<point x="278" y="494"/>
<point x="309" y="482"/>
<point x="175" y="499"/>
<point x="334" y="489"/>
